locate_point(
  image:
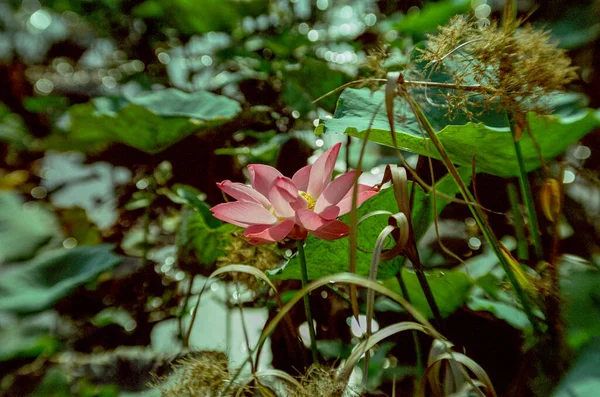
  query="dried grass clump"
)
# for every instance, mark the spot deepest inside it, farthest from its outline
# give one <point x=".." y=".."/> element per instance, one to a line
<point x="318" y="382"/>
<point x="261" y="257"/>
<point x="203" y="374"/>
<point x="516" y="68"/>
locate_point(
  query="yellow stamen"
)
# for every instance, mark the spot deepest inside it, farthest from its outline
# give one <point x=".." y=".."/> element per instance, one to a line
<point x="279" y="219"/>
<point x="311" y="201"/>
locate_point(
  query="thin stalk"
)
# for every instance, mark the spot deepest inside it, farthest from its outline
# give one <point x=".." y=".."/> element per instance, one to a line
<point x="526" y="192"/>
<point x="429" y="296"/>
<point x="510" y="24"/>
<point x="415" y="334"/>
<point x="186" y="301"/>
<point x="478" y="214"/>
<point x="245" y="329"/>
<point x="513" y="197"/>
<point x="309" y="318"/>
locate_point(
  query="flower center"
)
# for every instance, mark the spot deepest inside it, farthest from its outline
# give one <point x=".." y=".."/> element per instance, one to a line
<point x="309" y="199"/>
<point x="274" y="213"/>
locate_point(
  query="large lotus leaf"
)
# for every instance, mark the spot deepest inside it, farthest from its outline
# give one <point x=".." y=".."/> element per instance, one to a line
<point x="489" y="141"/>
<point x="150" y="122"/>
<point x="40" y="282"/>
<point x="329" y="257"/>
<point x="450" y="289"/>
<point x="22" y="231"/>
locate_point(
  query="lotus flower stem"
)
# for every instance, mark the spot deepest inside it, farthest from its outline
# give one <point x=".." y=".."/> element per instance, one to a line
<point x="309" y="318"/>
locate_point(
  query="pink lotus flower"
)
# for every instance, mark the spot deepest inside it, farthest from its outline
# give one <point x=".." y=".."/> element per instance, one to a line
<point x="276" y="206"/>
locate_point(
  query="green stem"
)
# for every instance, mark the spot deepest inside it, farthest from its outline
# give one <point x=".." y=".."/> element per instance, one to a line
<point x="429" y="297"/>
<point x="478" y="214"/>
<point x="309" y="318"/>
<point x="415" y="334"/>
<point x="513" y="197"/>
<point x="527" y="195"/>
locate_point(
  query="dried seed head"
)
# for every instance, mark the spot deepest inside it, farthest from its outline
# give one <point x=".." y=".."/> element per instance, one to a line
<point x="203" y="374"/>
<point x="375" y="59"/>
<point x="318" y="382"/>
<point x="519" y="68"/>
